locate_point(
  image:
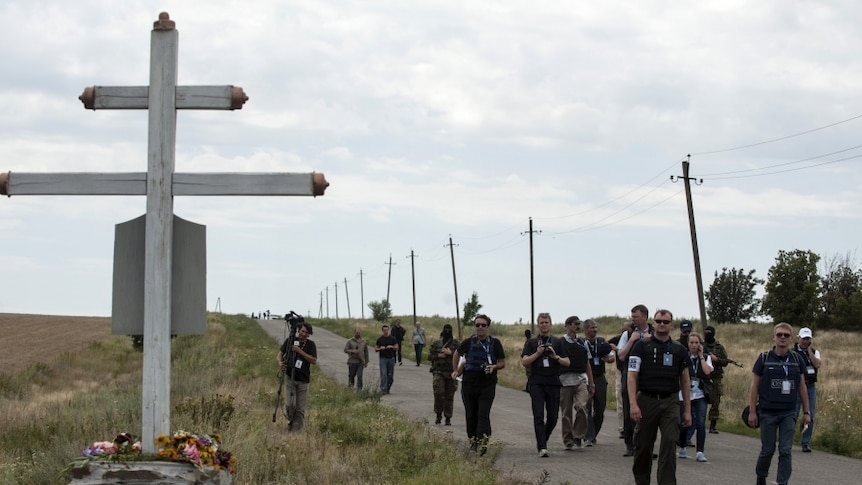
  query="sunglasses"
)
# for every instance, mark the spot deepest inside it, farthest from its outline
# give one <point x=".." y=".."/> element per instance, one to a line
<point x="782" y="335"/>
<point x="481" y="324"/>
<point x="663" y="322"/>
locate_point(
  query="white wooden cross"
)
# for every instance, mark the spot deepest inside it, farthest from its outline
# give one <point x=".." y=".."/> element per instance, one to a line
<point x="162" y="98"/>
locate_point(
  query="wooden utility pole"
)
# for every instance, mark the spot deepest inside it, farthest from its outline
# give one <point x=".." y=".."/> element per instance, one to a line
<point x="347" y="297"/>
<point x="336" y="300"/>
<point x="695" y="253"/>
<point x="389" y="279"/>
<point x="413" y="280"/>
<point x="455" y="282"/>
<point x="532" y="285"/>
<point x="327" y="302"/>
<point x="361" y="294"/>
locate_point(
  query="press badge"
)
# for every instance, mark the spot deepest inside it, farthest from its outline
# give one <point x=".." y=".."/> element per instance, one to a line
<point x="785" y="387"/>
<point x="546" y="362"/>
<point x="298" y="364"/>
<point x="810" y="370"/>
<point x="595" y="361"/>
<point x="668" y="360"/>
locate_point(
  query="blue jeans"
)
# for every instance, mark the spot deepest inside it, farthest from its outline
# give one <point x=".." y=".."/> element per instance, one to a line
<point x="782" y="424"/>
<point x="387" y="373"/>
<point x="812" y="402"/>
<point x="698" y="423"/>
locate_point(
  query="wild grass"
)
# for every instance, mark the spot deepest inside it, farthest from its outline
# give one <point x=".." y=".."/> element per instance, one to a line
<point x="222" y="382"/>
<point x="838" y="428"/>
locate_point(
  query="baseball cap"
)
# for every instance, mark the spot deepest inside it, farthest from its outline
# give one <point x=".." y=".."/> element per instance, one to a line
<point x="685" y="326"/>
<point x="805" y="332"/>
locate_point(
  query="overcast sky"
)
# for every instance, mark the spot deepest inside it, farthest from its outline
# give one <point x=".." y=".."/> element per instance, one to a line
<point x="438" y="118"/>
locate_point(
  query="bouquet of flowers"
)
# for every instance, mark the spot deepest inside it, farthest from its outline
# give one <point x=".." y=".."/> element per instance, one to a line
<point x="200" y="450"/>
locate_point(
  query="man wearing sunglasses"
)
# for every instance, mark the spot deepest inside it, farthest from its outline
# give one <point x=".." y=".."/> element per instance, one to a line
<point x="657" y="372"/>
<point x="483" y="356"/>
<point x="776" y="384"/>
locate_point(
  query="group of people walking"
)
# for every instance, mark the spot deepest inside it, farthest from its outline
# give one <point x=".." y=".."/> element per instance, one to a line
<point x="665" y="385"/>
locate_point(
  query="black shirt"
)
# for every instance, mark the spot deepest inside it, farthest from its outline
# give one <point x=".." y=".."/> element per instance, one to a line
<point x="300" y="367"/>
<point x="383" y="342"/>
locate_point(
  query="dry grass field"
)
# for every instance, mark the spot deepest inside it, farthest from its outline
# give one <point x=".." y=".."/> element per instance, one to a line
<point x="26" y="339"/>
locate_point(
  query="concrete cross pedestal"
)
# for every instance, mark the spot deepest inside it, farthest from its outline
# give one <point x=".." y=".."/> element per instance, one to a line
<point x="160" y="184"/>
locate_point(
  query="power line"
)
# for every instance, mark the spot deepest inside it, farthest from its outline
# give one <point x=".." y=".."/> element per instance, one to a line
<point x="778" y="139"/>
<point x="783" y="164"/>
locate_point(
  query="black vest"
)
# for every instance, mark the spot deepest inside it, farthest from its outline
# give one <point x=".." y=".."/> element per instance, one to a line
<point x="775" y="371"/>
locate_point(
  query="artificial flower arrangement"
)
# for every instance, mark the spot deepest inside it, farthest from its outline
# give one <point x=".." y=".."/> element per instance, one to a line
<point x="199" y="450"/>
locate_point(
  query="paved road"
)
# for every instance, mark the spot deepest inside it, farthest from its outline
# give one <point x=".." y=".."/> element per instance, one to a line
<point x="731" y="457"/>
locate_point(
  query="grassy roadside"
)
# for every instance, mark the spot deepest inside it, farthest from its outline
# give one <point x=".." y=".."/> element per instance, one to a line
<point x="839" y="389"/>
<point x="221" y="382"/>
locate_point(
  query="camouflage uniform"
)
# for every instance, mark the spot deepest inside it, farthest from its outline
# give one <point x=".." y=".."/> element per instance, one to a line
<point x="719" y="362"/>
<point x="443" y="384"/>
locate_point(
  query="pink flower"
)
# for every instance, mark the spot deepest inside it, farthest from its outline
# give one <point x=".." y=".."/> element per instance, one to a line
<point x="191" y="452"/>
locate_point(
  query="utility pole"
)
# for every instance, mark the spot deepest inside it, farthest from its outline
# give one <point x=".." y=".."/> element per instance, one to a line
<point x="320" y="312"/>
<point x="413" y="279"/>
<point x="455" y="282"/>
<point x="389" y="279"/>
<point x="532" y="288"/>
<point x="347" y="297"/>
<point x="327" y="302"/>
<point x="694" y="251"/>
<point x="361" y="294"/>
<point x="336" y="300"/>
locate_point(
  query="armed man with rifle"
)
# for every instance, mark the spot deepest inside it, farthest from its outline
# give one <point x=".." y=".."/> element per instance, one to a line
<point x="720" y="360"/>
<point x="295" y="358"/>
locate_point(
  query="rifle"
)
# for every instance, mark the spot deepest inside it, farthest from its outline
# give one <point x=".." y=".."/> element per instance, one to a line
<point x="731" y="361"/>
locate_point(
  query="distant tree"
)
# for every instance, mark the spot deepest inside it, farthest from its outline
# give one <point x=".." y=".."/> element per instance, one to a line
<point x="471" y="309"/>
<point x="793" y="288"/>
<point x="840" y="293"/>
<point x="732" y="296"/>
<point x="380" y="310"/>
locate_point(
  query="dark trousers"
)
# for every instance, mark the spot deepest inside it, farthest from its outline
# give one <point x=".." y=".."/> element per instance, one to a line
<point x="418" y="348"/>
<point x="657" y="414"/>
<point x="478" y="395"/>
<point x="545" y="400"/>
<point x="399" y="352"/>
<point x="628" y="424"/>
<point x="596" y="408"/>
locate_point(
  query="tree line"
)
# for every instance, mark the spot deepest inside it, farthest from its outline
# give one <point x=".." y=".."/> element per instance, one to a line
<point x="795" y="291"/>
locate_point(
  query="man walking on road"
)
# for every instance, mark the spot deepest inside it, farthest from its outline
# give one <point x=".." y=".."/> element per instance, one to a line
<point x="640" y="329"/>
<point x="776" y="384"/>
<point x="602" y="354"/>
<point x="418" y="341"/>
<point x="483" y="357"/>
<point x="578" y="386"/>
<point x="812" y="366"/>
<point x="444" y="386"/>
<point x="657" y="372"/>
<point x="386" y="347"/>
<point x="545" y="356"/>
<point x="357" y="359"/>
<point x="399" y="332"/>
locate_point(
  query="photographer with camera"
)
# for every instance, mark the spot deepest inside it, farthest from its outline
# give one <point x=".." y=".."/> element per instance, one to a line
<point x="545" y="356"/>
<point x="295" y="358"/>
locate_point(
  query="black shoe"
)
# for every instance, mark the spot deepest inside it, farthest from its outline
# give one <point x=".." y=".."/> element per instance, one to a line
<point x="629" y="452"/>
<point x="400" y="363"/>
<point x="761" y="481"/>
<point x="439" y="419"/>
<point x="806" y="449"/>
<point x="448" y="421"/>
<point x="713" y="431"/>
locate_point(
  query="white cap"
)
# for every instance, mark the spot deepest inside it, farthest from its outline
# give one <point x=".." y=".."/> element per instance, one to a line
<point x="805" y="332"/>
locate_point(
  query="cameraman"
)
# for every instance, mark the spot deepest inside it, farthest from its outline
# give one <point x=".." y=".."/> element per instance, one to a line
<point x="296" y="359"/>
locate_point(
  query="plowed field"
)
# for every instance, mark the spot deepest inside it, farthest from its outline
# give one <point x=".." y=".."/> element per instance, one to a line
<point x="25" y="338"/>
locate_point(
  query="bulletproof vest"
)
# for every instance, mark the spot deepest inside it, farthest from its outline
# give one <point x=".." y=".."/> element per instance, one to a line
<point x="477" y="356"/>
<point x="577" y="355"/>
<point x="775" y="373"/>
<point x="654" y="376"/>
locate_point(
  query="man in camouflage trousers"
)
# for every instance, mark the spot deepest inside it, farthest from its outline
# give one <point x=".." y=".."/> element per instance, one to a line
<point x="441" y="367"/>
<point x="719" y="358"/>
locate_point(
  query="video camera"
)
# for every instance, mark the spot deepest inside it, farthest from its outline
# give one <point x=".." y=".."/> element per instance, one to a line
<point x="293" y="319"/>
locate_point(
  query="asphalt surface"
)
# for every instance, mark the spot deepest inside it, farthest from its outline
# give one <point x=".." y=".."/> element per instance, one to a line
<point x="731" y="457"/>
